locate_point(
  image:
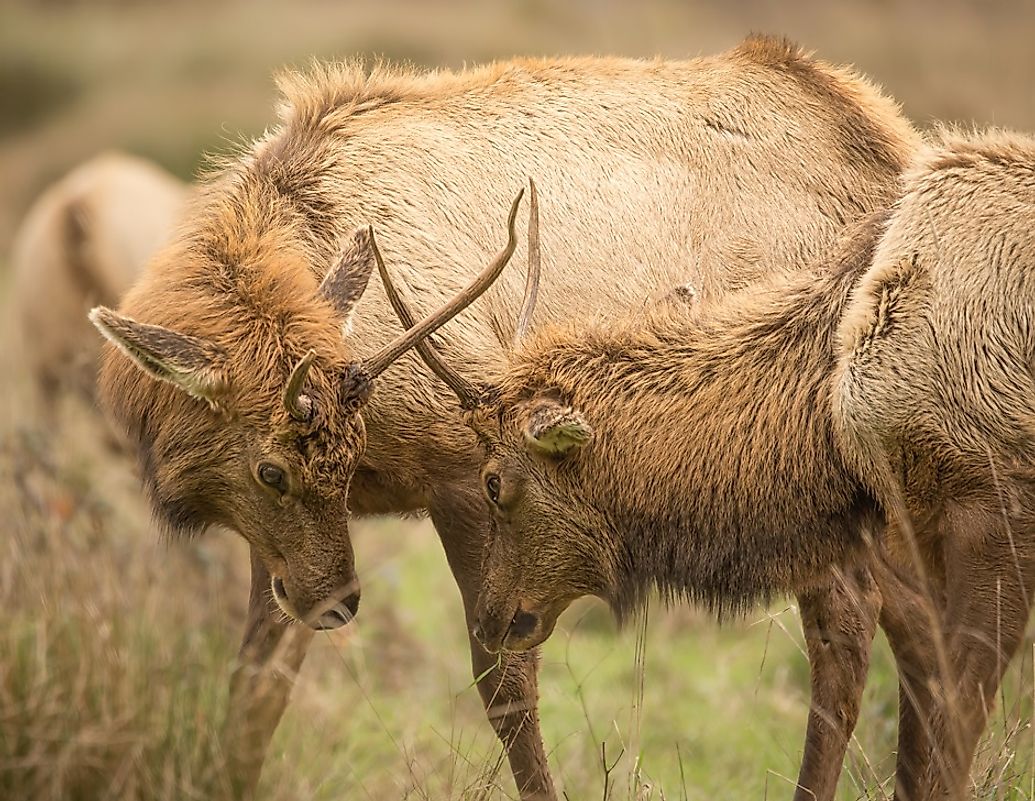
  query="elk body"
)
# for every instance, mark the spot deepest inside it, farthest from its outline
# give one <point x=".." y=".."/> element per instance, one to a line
<point x="753" y="445"/>
<point x="84" y="241"/>
<point x="733" y="166"/>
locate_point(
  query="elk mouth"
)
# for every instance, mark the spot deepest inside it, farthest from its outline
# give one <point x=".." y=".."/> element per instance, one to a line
<point x="339" y="615"/>
<point x="329" y="614"/>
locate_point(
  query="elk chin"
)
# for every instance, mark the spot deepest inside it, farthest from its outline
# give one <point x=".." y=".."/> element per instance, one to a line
<point x="280" y="595"/>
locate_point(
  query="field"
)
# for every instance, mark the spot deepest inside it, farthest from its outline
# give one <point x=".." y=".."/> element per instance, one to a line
<point x="116" y="648"/>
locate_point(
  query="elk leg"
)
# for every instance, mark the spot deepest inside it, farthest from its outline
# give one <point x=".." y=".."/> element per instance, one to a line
<point x="508" y="687"/>
<point x="839" y="621"/>
<point x="903" y="619"/>
<point x="270" y="657"/>
<point x="990" y="569"/>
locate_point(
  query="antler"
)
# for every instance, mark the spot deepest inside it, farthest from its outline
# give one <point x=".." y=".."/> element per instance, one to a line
<point x="299" y="405"/>
<point x="416" y="334"/>
<point x="534" y="265"/>
<point x="467" y="392"/>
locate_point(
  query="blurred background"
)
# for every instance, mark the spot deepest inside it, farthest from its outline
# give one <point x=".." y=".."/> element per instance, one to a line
<point x="115" y="649"/>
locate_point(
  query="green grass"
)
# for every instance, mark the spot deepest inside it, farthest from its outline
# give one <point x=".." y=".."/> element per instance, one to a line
<point x="115" y="655"/>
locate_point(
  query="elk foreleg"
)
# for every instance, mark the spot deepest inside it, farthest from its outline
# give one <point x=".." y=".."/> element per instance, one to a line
<point x="910" y="617"/>
<point x="270" y="657"/>
<point x="507" y="685"/>
<point x="839" y="620"/>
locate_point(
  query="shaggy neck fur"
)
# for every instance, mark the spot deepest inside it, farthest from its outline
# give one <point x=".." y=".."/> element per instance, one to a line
<point x="714" y="458"/>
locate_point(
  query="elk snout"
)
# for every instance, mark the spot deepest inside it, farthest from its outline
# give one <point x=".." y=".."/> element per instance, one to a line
<point x="333" y="612"/>
<point x="338" y="615"/>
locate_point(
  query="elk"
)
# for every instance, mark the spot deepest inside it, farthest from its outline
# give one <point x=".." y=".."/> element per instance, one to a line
<point x="877" y="406"/>
<point x="736" y="166"/>
<point x="83" y="242"/>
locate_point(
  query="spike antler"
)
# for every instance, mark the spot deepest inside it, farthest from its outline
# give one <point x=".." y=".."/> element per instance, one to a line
<point x="298" y="404"/>
<point x="469" y="394"/>
<point x="416" y="335"/>
<point x="534" y="265"/>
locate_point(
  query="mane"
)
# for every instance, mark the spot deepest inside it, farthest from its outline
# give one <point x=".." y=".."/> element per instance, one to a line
<point x="954" y="148"/>
<point x="276" y="198"/>
<point x="326" y="95"/>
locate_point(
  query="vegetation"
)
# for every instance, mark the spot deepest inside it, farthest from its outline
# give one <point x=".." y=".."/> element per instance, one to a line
<point x="116" y="649"/>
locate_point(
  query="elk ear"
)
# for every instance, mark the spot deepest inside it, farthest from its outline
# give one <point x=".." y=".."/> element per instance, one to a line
<point x="187" y="362"/>
<point x="344" y="285"/>
<point x="553" y="429"/>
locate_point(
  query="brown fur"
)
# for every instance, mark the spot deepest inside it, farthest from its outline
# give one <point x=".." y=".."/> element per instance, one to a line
<point x="730" y="452"/>
<point x="733" y="166"/>
<point x="83" y="242"/>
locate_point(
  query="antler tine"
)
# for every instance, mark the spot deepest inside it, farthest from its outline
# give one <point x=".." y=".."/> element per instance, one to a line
<point x="380" y="361"/>
<point x="466" y="391"/>
<point x="534" y="265"/>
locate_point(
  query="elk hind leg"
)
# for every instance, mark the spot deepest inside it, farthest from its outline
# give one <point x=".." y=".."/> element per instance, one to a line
<point x="990" y="566"/>
<point x="839" y="620"/>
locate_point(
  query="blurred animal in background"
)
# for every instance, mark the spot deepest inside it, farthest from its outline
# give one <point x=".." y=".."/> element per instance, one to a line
<point x="83" y="242"/>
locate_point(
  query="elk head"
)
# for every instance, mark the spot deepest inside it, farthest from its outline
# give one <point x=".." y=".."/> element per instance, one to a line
<point x="246" y="407"/>
<point x="534" y="439"/>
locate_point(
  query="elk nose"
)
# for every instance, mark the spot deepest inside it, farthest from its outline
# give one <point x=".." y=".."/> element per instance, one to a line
<point x="339" y="615"/>
<point x="523" y="624"/>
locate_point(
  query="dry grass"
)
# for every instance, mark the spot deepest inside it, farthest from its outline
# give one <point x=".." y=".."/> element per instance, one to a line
<point x="115" y="650"/>
<point x="115" y="654"/>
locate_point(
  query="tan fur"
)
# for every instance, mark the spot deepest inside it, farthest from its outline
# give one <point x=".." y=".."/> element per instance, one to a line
<point x="651" y="174"/>
<point x="83" y="242"/>
<point x="736" y="450"/>
<point x="935" y="399"/>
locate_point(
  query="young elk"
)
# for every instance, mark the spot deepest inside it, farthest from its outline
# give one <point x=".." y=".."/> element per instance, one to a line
<point x="287" y="490"/>
<point x="728" y="453"/>
<point x="735" y="166"/>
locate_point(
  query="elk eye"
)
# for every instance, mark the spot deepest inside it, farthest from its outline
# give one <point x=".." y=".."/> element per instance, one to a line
<point x="492" y="488"/>
<point x="272" y="476"/>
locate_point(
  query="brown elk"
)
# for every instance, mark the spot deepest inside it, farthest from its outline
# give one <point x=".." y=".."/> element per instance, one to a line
<point x="735" y="166"/>
<point x="751" y="446"/>
<point x="83" y="242"/>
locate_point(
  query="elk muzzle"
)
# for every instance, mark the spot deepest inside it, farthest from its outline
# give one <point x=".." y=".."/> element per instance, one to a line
<point x="334" y="611"/>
